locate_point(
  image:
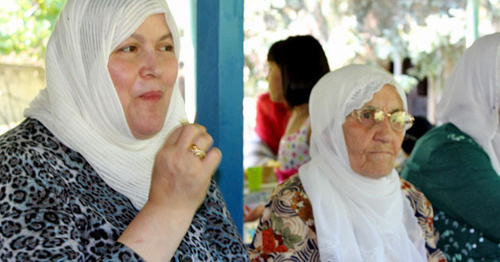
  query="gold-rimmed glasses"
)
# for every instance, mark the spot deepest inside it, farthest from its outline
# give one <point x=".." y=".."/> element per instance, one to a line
<point x="370" y="116"/>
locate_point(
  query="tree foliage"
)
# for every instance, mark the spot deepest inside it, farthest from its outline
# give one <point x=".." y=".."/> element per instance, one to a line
<point x="431" y="33"/>
<point x="26" y="26"/>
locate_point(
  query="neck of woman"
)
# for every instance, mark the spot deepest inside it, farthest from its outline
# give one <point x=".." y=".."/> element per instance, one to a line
<point x="301" y="110"/>
<point x="298" y="116"/>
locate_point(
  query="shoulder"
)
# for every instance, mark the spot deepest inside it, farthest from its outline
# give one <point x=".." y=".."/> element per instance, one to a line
<point x="417" y="199"/>
<point x="286" y="229"/>
<point x="425" y="218"/>
<point x="422" y="208"/>
<point x="28" y="134"/>
<point x="264" y="98"/>
<point x="50" y="197"/>
<point x="289" y="206"/>
<point x="444" y="149"/>
<point x="266" y="104"/>
<point x="34" y="206"/>
<point x="446" y="137"/>
<point x="291" y="196"/>
<point x="30" y="148"/>
<point x="22" y="154"/>
<point x="35" y="167"/>
<point x="444" y="158"/>
<point x="264" y="101"/>
<point x="28" y="139"/>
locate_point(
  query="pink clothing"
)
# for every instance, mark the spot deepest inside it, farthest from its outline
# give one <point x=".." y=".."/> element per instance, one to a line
<point x="271" y="121"/>
<point x="293" y="153"/>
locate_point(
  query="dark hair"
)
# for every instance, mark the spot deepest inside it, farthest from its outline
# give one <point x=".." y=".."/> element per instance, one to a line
<point x="420" y="126"/>
<point x="302" y="62"/>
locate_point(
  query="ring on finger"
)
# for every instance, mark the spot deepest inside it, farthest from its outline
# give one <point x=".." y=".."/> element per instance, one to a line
<point x="200" y="153"/>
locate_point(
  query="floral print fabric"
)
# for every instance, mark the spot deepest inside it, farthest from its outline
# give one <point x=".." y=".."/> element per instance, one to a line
<point x="286" y="231"/>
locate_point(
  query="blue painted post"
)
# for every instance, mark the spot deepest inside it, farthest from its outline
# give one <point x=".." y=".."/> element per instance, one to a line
<point x="219" y="82"/>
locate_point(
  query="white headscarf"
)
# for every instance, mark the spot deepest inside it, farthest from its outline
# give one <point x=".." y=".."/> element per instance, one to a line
<point x="357" y="218"/>
<point x="80" y="104"/>
<point x="471" y="97"/>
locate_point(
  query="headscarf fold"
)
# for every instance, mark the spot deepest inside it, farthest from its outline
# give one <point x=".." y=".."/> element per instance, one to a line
<point x="80" y="105"/>
<point x="471" y="98"/>
<point x="357" y="218"/>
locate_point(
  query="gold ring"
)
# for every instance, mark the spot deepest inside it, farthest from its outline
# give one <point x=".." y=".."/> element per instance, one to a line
<point x="197" y="151"/>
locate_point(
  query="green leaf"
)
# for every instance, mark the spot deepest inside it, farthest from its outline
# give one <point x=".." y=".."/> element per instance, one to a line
<point x="285" y="233"/>
<point x="38" y="18"/>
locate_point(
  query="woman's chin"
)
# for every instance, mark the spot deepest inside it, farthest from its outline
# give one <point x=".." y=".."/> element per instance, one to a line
<point x="147" y="131"/>
<point x="379" y="172"/>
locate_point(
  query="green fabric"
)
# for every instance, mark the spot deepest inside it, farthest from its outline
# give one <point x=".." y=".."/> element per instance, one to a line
<point x="457" y="177"/>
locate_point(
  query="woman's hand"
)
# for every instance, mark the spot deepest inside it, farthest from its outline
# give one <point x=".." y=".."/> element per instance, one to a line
<point x="180" y="178"/>
<point x="179" y="185"/>
<point x="252" y="214"/>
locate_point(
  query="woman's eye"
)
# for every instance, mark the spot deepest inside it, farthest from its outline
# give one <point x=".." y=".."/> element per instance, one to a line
<point x="366" y="115"/>
<point x="128" y="49"/>
<point x="167" y="48"/>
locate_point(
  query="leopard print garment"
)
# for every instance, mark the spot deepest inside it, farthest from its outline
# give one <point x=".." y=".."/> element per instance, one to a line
<point x="54" y="207"/>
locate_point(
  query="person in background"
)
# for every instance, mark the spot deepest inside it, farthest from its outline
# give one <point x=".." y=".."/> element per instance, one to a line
<point x="295" y="65"/>
<point x="270" y="124"/>
<point x="102" y="169"/>
<point x="457" y="164"/>
<point x="262" y="148"/>
<point x="420" y="126"/>
<point x="348" y="203"/>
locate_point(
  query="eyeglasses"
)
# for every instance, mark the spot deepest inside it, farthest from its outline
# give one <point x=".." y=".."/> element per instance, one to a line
<point x="370" y="116"/>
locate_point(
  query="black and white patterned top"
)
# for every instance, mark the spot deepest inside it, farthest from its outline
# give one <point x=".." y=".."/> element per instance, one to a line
<point x="54" y="207"/>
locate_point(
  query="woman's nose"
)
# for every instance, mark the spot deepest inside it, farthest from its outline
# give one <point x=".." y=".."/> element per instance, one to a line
<point x="150" y="64"/>
<point x="384" y="131"/>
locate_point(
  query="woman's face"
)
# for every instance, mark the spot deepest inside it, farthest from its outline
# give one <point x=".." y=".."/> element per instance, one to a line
<point x="275" y="83"/>
<point x="144" y="70"/>
<point x="373" y="150"/>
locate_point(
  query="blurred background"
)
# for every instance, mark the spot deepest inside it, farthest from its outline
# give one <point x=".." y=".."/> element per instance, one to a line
<point x="418" y="40"/>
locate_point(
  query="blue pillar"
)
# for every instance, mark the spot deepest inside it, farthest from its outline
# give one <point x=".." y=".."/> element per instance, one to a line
<point x="219" y="95"/>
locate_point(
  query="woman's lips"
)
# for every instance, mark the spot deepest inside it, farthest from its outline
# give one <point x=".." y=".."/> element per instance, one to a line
<point x="152" y="96"/>
<point x="381" y="152"/>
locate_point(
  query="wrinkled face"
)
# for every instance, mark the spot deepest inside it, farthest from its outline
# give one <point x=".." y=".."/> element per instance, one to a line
<point x="373" y="150"/>
<point x="144" y="70"/>
<point x="275" y="83"/>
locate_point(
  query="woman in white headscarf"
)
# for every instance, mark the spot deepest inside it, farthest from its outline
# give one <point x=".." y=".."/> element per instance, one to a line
<point x="102" y="168"/>
<point x="348" y="203"/>
<point x="457" y="165"/>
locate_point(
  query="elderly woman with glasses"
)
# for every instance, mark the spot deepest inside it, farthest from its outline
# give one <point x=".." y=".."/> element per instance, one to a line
<point x="348" y="203"/>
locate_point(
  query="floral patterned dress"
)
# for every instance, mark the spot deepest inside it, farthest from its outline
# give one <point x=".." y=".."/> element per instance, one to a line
<point x="286" y="231"/>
